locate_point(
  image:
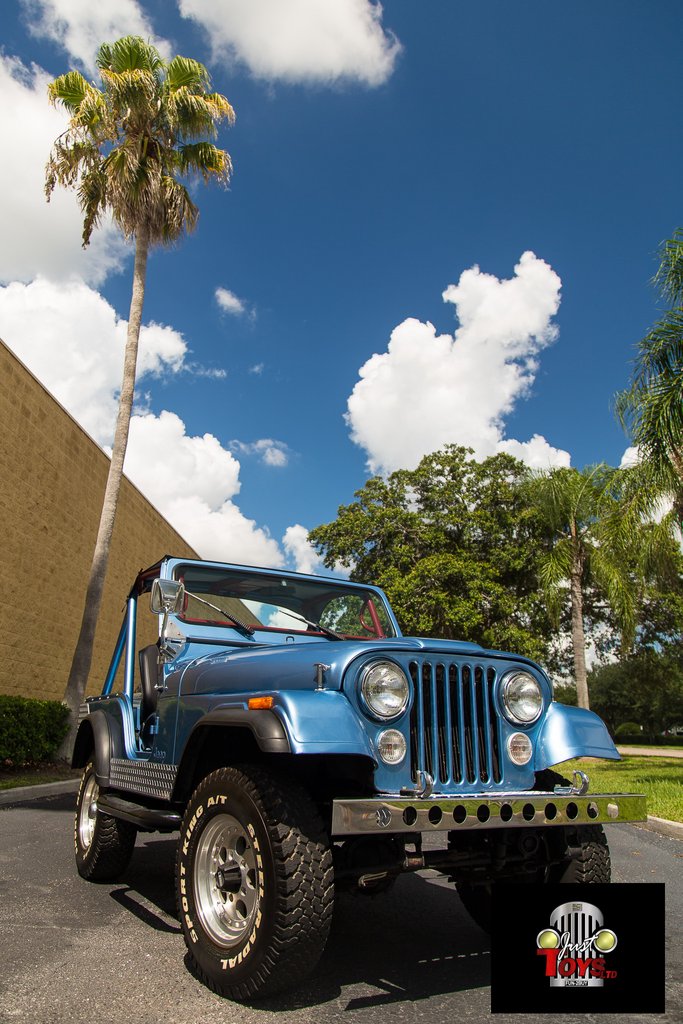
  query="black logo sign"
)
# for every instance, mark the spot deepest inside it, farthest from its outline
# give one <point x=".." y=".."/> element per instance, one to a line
<point x="577" y="949"/>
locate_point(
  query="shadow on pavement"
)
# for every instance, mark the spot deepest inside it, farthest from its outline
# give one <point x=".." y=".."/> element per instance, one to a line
<point x="148" y="889"/>
<point x="411" y="943"/>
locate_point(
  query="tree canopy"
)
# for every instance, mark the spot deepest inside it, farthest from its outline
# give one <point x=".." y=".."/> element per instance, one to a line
<point x="651" y="407"/>
<point x="539" y="564"/>
<point x="455" y="546"/>
<point x="130" y="145"/>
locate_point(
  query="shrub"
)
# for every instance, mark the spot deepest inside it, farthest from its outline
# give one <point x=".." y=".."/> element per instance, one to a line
<point x="630" y="732"/>
<point x="30" y="730"/>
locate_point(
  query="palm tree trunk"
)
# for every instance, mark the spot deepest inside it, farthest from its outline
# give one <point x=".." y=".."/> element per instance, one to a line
<point x="677" y="463"/>
<point x="578" y="635"/>
<point x="82" y="659"/>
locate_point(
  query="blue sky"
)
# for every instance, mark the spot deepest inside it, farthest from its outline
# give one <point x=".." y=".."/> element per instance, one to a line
<point x="379" y="157"/>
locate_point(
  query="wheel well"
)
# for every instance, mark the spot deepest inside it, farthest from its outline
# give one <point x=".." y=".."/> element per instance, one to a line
<point x="84" y="745"/>
<point x="217" y="746"/>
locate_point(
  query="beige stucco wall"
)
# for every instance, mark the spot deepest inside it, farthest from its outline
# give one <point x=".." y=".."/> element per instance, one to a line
<point x="52" y="479"/>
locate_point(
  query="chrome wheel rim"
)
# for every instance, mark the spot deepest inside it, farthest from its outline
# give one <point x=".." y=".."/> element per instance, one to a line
<point x="88" y="812"/>
<point x="225" y="880"/>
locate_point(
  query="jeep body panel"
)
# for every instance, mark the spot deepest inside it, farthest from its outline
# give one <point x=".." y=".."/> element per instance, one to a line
<point x="569" y="732"/>
<point x="455" y="729"/>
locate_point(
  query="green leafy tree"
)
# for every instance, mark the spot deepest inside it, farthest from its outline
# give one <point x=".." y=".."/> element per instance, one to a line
<point x="454" y="544"/>
<point x="647" y="689"/>
<point x="128" y="151"/>
<point x="587" y="554"/>
<point x="651" y="408"/>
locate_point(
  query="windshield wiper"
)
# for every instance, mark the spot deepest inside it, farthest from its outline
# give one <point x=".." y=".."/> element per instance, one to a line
<point x="242" y="626"/>
<point x="325" y="630"/>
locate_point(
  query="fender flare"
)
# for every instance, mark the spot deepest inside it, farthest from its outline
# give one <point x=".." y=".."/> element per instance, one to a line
<point x="94" y="738"/>
<point x="266" y="729"/>
<point x="569" y="732"/>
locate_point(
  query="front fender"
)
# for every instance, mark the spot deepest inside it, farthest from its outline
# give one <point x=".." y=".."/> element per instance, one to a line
<point x="572" y="732"/>
<point x="321" y="722"/>
<point x="94" y="740"/>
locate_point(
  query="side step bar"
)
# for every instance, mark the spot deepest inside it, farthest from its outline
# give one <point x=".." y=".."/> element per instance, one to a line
<point x="146" y="819"/>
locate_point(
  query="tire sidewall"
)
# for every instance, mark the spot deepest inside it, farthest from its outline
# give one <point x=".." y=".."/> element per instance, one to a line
<point x="226" y="966"/>
<point x="84" y="854"/>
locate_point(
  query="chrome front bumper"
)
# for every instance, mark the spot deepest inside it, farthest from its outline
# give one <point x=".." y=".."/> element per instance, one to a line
<point x="505" y="810"/>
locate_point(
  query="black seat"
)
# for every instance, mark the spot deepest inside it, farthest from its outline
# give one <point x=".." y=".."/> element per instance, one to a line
<point x="149" y="678"/>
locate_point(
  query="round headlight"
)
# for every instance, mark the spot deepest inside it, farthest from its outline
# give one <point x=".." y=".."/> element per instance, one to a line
<point x="520" y="748"/>
<point x="392" y="746"/>
<point x="384" y="689"/>
<point x="522" y="698"/>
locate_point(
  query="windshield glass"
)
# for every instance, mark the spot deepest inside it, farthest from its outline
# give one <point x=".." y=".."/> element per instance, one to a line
<point x="280" y="603"/>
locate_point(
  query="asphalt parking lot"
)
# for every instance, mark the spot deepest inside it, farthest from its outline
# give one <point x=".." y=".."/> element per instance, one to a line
<point x="77" y="952"/>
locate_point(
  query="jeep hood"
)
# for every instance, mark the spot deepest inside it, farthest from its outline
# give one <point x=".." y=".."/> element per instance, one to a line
<point x="283" y="666"/>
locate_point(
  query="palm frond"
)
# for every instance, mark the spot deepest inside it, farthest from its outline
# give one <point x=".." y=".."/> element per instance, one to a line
<point x="131" y="53"/>
<point x="183" y="72"/>
<point x="69" y="90"/>
<point x="205" y="159"/>
<point x="669" y="277"/>
<point x="92" y="197"/>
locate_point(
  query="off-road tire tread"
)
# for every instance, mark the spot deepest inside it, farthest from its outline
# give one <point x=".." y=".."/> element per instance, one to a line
<point x="587" y="862"/>
<point x="303" y="863"/>
<point x="112" y="846"/>
<point x="590" y="859"/>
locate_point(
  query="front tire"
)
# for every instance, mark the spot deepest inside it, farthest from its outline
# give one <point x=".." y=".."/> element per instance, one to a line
<point x="103" y="845"/>
<point x="254" y="883"/>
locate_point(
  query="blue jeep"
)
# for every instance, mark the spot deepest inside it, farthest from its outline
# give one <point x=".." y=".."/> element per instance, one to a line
<point x="302" y="745"/>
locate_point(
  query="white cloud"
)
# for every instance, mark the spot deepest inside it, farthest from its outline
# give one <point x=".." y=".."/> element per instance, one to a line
<point x="299" y="550"/>
<point x="192" y="481"/>
<point x="41" y="238"/>
<point x="270" y="451"/>
<point x="201" y="466"/>
<point x="80" y="26"/>
<point x="428" y="390"/>
<point x="257" y="369"/>
<point x="299" y="40"/>
<point x="72" y="340"/>
<point x="536" y="453"/>
<point x="630" y="458"/>
<point x="229" y="302"/>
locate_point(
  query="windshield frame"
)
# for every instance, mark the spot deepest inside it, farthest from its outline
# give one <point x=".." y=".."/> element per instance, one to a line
<point x="308" y="587"/>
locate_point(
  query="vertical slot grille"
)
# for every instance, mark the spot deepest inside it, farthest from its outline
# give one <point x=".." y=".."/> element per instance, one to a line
<point x="454" y="729"/>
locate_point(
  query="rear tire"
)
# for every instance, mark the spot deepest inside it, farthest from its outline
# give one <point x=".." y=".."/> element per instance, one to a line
<point x="587" y="857"/>
<point x="104" y="845"/>
<point x="254" y="882"/>
<point x="586" y="861"/>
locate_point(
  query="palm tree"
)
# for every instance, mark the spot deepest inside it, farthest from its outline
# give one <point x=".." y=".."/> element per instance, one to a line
<point x="651" y="408"/>
<point x="578" y="508"/>
<point x="126" y="151"/>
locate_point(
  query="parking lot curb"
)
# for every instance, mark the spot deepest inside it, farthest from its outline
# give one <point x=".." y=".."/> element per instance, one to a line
<point x="20" y="794"/>
<point x="674" y="829"/>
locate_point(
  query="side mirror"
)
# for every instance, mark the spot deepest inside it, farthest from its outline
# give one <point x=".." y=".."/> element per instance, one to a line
<point x="167" y="596"/>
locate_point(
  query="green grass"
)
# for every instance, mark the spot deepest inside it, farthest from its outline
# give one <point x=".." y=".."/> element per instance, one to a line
<point x="659" y="778"/>
<point x="35" y="775"/>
